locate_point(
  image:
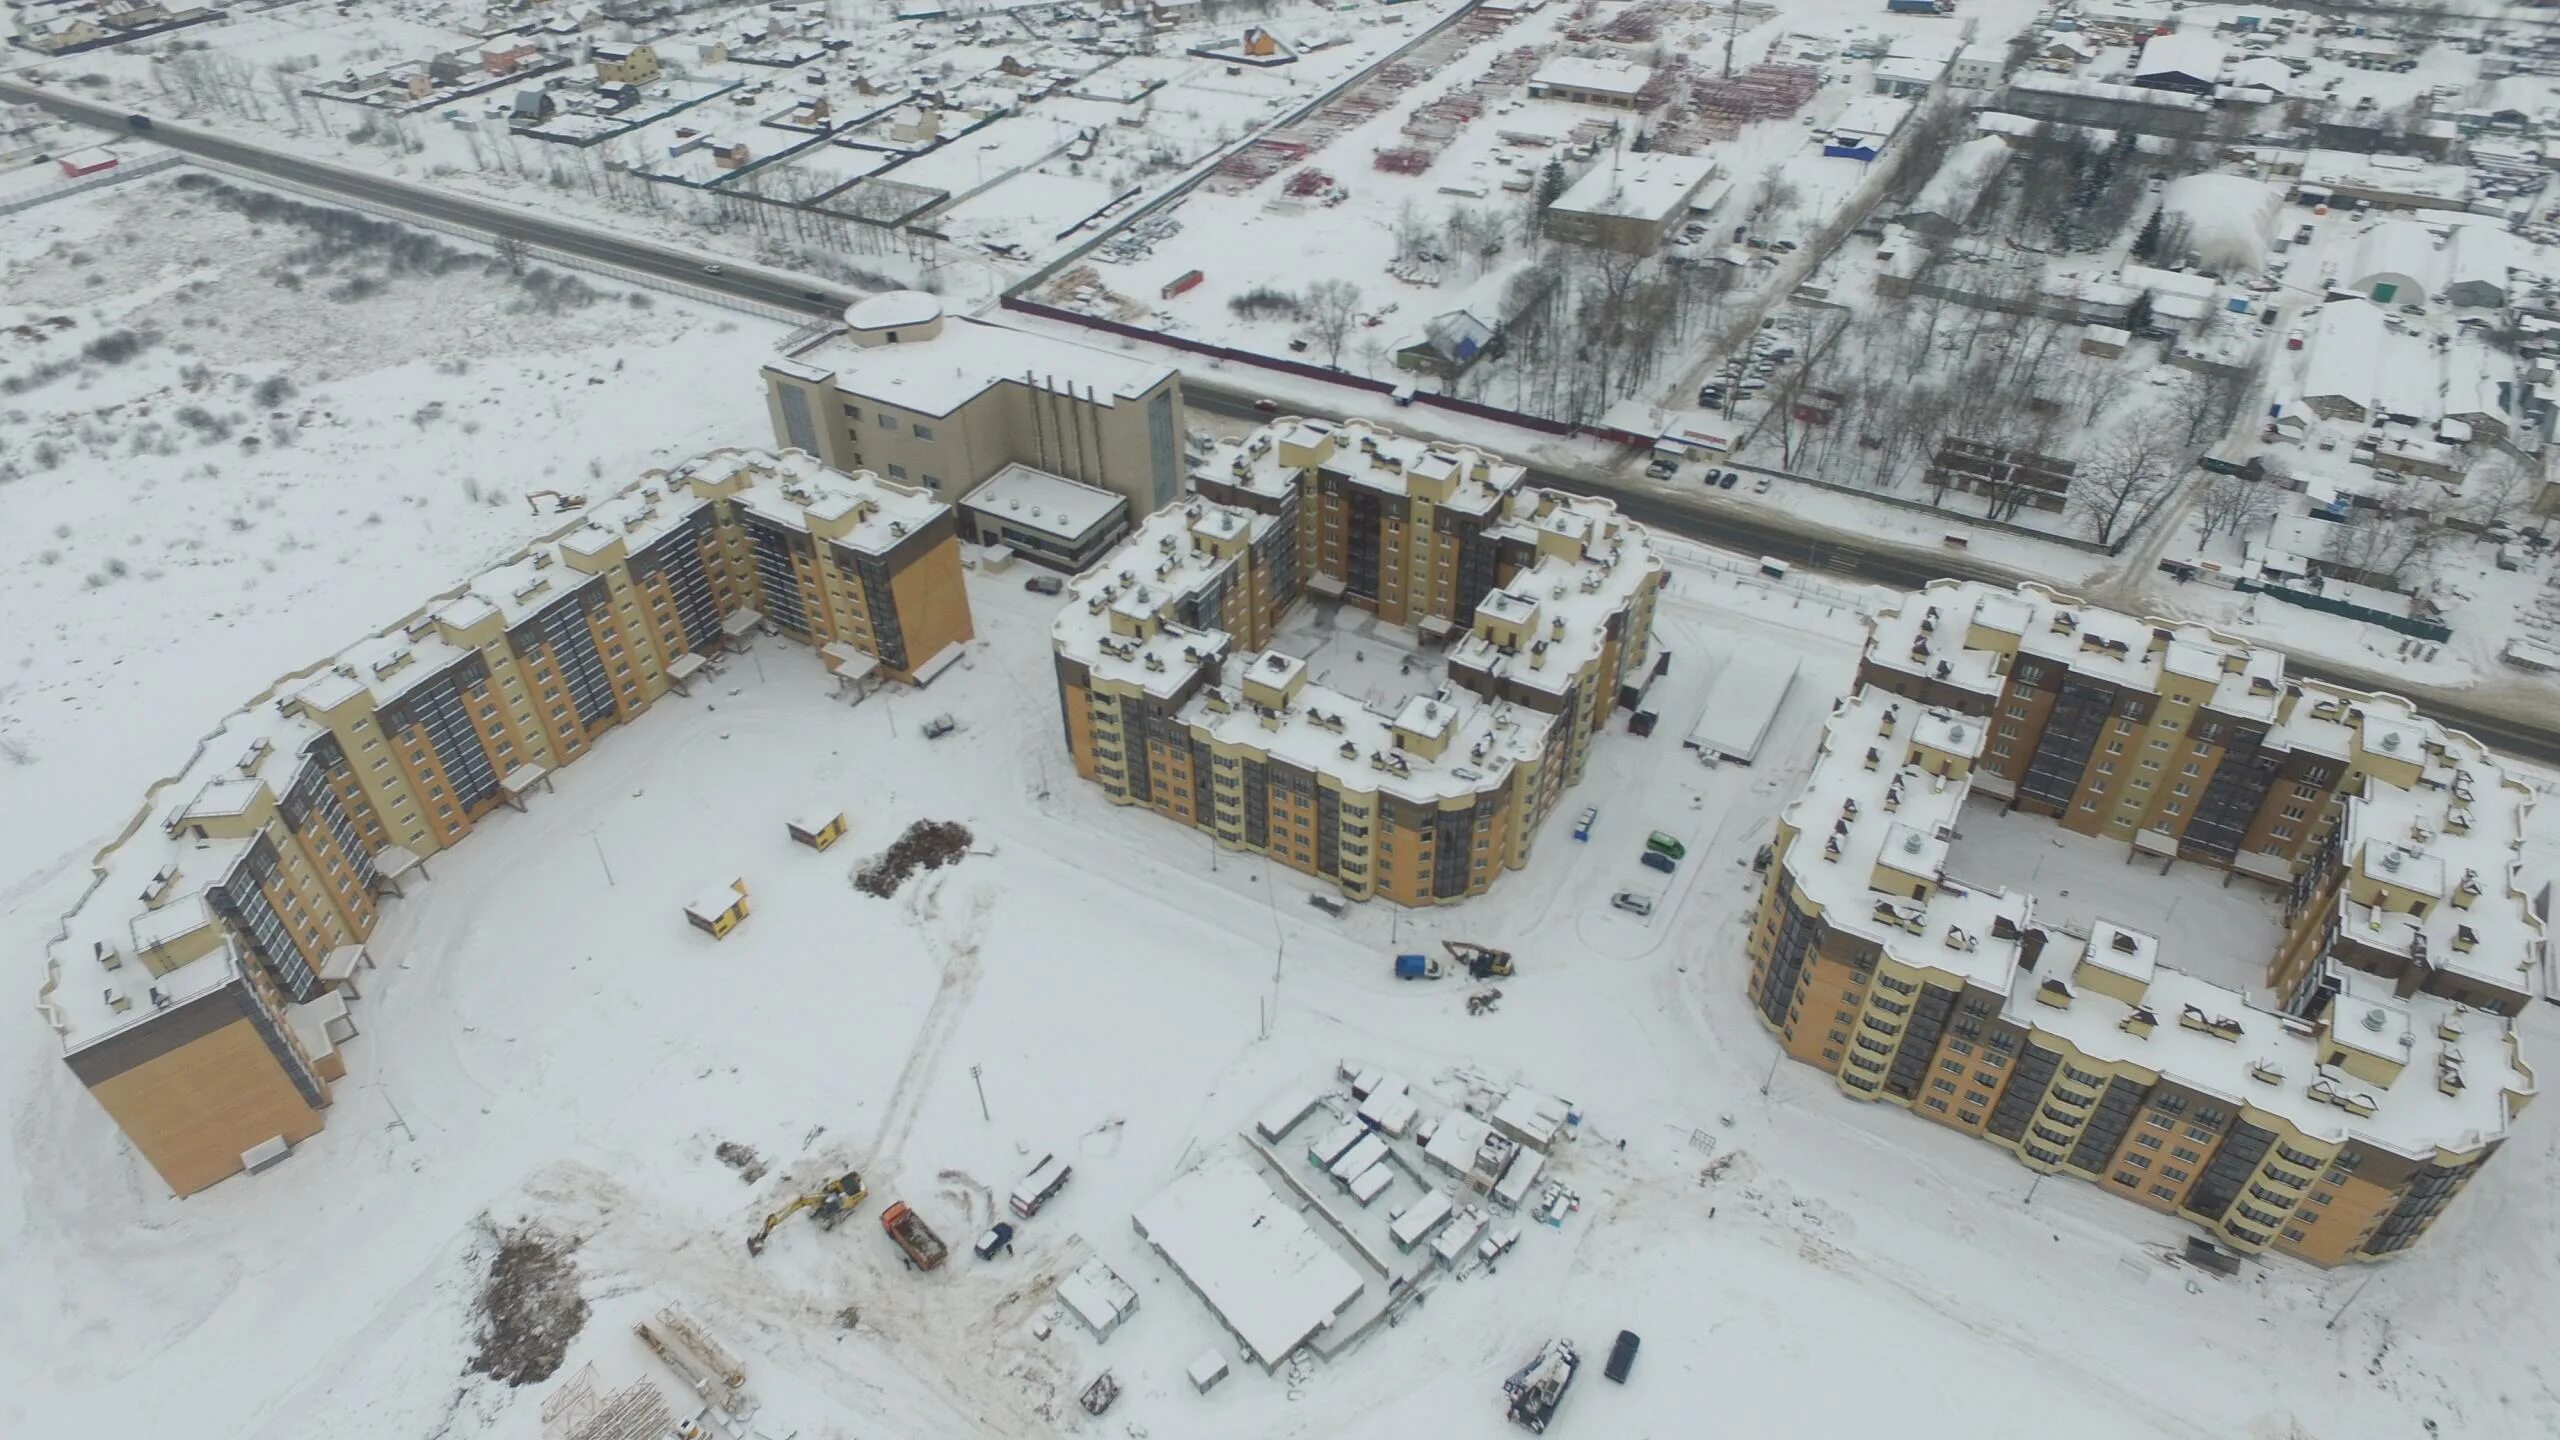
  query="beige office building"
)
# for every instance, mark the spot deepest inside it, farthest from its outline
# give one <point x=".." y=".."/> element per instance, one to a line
<point x="945" y="402"/>
<point x="203" y="984"/>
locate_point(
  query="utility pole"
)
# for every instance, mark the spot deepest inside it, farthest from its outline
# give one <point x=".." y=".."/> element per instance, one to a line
<point x="977" y="1077"/>
<point x="1732" y="25"/>
<point x="2342" y="1310"/>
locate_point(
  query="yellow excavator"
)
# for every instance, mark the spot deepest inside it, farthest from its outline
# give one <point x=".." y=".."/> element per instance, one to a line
<point x="1481" y="962"/>
<point x="827" y="1204"/>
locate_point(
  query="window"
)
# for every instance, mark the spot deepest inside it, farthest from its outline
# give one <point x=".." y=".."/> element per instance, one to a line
<point x="923" y="431"/>
<point x="897" y="472"/>
<point x="2163" y="1192"/>
<point x="1937" y="1104"/>
<point x="1976" y="1097"/>
<point x="2294" y="1234"/>
<point x="2147" y="1141"/>
<point x="888" y="422"/>
<point x="2128" y="1179"/>
<point x="1970" y="1117"/>
<point x="2138" y="1162"/>
<point x="1943" y="1086"/>
<point x="2172" y="1172"/>
<point x="2183" y="1153"/>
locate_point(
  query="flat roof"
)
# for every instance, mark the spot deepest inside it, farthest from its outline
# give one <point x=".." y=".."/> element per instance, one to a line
<point x="941" y="373"/>
<point x="1643" y="185"/>
<point x="1033" y="498"/>
<point x="1577" y="72"/>
<point x="1268" y="1276"/>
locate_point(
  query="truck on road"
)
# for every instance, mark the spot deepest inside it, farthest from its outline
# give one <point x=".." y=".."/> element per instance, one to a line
<point x="924" y="1249"/>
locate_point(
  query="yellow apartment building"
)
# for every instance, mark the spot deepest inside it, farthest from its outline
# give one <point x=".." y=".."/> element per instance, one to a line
<point x="2335" y="1126"/>
<point x="1174" y="697"/>
<point x="201" y="986"/>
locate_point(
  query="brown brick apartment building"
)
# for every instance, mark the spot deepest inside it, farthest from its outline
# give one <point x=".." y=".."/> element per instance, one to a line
<point x="1174" y="699"/>
<point x="2335" y="1126"/>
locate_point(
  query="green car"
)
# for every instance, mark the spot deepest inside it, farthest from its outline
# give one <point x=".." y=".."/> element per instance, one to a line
<point x="1665" y="845"/>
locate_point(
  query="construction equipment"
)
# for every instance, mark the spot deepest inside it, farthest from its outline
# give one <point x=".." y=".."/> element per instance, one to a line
<point x="1481" y="962"/>
<point x="924" y="1249"/>
<point x="559" y="501"/>
<point x="1535" y="1389"/>
<point x="829" y="1203"/>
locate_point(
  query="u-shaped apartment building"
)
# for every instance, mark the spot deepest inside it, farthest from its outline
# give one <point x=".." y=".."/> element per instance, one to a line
<point x="1175" y="699"/>
<point x="201" y="986"/>
<point x="2335" y="1122"/>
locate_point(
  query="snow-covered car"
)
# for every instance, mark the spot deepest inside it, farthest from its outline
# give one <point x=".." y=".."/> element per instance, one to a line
<point x="1663" y="468"/>
<point x="939" y="726"/>
<point x="1632" y="903"/>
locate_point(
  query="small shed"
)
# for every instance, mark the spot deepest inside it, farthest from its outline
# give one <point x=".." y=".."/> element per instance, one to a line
<point x="818" y="831"/>
<point x="1373" y="1182"/>
<point x="1531" y="1117"/>
<point x="719" y="909"/>
<point x="2105" y="341"/>
<point x="1208" y="1370"/>
<point x="1098" y="1297"/>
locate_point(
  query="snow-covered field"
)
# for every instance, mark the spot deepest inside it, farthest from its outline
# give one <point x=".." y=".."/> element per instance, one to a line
<point x="547" y="1040"/>
<point x="232" y="444"/>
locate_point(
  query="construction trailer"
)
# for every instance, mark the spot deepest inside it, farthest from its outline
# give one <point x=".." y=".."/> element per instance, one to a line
<point x="818" y="831"/>
<point x="718" y="910"/>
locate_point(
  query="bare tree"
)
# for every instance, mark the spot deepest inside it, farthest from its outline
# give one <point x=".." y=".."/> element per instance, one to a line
<point x="1331" y="307"/>
<point x="2371" y="548"/>
<point x="2129" y="470"/>
<point x="2493" y="490"/>
<point x="2229" y="504"/>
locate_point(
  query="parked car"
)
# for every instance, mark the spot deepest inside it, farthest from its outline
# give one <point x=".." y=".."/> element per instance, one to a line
<point x="1714" y="476"/>
<point x="1622" y="1356"/>
<point x="1662" y="468"/>
<point x="939" y="726"/>
<point x="1730" y="476"/>
<point x="1656" y="860"/>
<point x="1632" y="903"/>
<point x="1582" y="826"/>
<point x="1760" y="486"/>
<point x="1663" y="844"/>
<point x="138" y="122"/>
<point x="996" y="1242"/>
<point x="1045" y="585"/>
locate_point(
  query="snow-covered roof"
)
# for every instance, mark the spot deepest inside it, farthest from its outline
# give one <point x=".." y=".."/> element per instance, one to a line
<point x="860" y="511"/>
<point x="1601" y="77"/>
<point x="1037" y="500"/>
<point x="2402" y="250"/>
<point x="2194" y="53"/>
<point x="2352" y="352"/>
<point x="1637" y="184"/>
<point x="1874" y="117"/>
<point x="894" y="309"/>
<point x="938" y="375"/>
<point x="2229" y="218"/>
<point x="1269" y="1278"/>
<point x="1953" y="190"/>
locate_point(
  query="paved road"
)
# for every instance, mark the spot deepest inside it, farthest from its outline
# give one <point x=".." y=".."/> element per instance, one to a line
<point x="785" y="292"/>
<point x="1721" y="521"/>
<point x="1727" y="524"/>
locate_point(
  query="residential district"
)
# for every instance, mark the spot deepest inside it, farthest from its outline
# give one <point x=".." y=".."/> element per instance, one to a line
<point x="1262" y="667"/>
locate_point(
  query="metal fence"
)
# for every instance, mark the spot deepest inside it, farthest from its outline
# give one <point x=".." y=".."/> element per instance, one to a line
<point x="65" y="189"/>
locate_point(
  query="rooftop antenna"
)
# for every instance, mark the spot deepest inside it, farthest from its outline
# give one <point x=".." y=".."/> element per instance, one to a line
<point x="1732" y="25"/>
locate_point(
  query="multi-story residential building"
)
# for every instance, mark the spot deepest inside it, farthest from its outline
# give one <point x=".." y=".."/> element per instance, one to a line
<point x="2333" y="1125"/>
<point x="200" y="986"/>
<point x="1174" y="697"/>
<point x="946" y="402"/>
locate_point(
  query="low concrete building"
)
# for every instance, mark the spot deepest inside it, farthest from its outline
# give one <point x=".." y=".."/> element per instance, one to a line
<point x="1044" y="518"/>
<point x="945" y="403"/>
<point x="1629" y="201"/>
<point x="1618" y="84"/>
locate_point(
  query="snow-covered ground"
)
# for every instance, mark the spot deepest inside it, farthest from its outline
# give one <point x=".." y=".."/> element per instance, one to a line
<point x="230" y="446"/>
<point x="548" y="1040"/>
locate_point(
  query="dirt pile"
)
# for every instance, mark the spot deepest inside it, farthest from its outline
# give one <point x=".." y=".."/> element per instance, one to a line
<point x="529" y="1308"/>
<point x="927" y="845"/>
<point x="741" y="1158"/>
